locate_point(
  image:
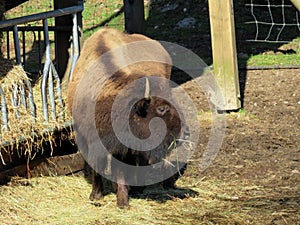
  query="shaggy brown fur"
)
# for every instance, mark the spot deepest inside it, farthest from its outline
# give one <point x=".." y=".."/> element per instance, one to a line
<point x="107" y="39"/>
<point x="141" y="114"/>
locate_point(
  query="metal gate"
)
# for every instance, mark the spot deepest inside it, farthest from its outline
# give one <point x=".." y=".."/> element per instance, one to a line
<point x="22" y="94"/>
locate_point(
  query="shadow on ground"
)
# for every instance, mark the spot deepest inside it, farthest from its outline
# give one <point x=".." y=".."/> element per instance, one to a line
<point x="165" y="18"/>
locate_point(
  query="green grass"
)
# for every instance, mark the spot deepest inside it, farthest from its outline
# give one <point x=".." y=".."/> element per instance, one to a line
<point x="243" y="115"/>
<point x="285" y="55"/>
<point x="95" y="13"/>
<point x="31" y="7"/>
<point x="104" y="13"/>
<point x="274" y="60"/>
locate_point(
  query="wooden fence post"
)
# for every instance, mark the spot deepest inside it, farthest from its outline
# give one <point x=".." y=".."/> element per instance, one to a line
<point x="62" y="38"/>
<point x="296" y="4"/>
<point x="134" y="16"/>
<point x="224" y="51"/>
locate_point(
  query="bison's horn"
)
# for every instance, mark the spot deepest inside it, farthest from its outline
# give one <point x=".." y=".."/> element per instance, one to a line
<point x="147" y="90"/>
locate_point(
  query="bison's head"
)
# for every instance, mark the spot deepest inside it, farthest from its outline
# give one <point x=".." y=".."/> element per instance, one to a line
<point x="156" y="112"/>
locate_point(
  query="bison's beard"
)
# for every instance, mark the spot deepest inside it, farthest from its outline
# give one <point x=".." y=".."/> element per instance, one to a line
<point x="122" y="152"/>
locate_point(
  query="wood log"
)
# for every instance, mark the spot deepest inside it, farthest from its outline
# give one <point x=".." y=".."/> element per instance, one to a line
<point x="57" y="165"/>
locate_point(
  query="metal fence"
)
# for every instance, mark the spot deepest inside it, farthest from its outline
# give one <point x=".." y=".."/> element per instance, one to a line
<point x="51" y="92"/>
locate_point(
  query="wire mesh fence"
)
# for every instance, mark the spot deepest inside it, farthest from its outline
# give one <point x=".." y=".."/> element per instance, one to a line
<point x="274" y="20"/>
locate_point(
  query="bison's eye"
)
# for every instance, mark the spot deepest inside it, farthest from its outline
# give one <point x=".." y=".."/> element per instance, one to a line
<point x="161" y="110"/>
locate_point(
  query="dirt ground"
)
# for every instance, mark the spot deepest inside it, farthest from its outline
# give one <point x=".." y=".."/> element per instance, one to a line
<point x="255" y="178"/>
<point x="261" y="147"/>
<point x="263" y="139"/>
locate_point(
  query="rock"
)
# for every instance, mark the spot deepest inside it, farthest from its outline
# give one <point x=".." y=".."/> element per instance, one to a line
<point x="187" y="22"/>
<point x="169" y="7"/>
<point x="243" y="55"/>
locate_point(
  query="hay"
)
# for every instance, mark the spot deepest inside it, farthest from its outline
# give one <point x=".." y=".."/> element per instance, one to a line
<point x="22" y="126"/>
<point x="64" y="200"/>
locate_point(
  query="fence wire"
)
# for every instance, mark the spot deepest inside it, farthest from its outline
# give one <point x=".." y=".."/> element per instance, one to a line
<point x="282" y="17"/>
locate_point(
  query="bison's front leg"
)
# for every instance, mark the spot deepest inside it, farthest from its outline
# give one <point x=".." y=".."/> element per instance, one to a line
<point x="170" y="182"/>
<point x="97" y="187"/>
<point x="122" y="192"/>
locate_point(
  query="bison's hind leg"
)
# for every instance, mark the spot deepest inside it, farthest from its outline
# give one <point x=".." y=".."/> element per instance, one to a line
<point x="97" y="187"/>
<point x="121" y="185"/>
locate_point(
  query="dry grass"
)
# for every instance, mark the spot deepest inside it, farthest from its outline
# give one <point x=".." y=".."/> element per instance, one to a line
<point x="64" y="200"/>
<point x="24" y="125"/>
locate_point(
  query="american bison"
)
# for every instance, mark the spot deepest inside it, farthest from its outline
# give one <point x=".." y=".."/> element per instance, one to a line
<point x="132" y="86"/>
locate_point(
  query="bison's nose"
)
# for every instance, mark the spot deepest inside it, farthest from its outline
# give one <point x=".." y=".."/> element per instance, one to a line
<point x="186" y="133"/>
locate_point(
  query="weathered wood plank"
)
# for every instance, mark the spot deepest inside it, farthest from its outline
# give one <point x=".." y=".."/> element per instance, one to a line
<point x="57" y="165"/>
<point x="224" y="51"/>
<point x="19" y="157"/>
<point x="296" y="4"/>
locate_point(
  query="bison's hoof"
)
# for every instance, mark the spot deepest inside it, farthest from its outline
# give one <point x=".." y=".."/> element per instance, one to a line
<point x="123" y="203"/>
<point x="95" y="195"/>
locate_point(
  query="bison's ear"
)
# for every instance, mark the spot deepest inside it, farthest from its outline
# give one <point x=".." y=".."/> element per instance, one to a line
<point x="141" y="107"/>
